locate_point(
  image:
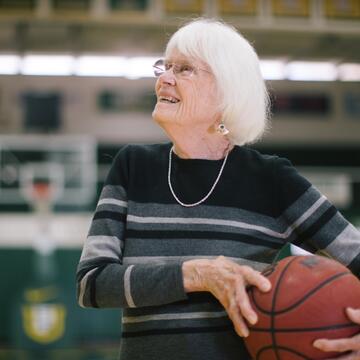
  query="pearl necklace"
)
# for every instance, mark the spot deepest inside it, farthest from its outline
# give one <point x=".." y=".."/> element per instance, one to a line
<point x="207" y="195"/>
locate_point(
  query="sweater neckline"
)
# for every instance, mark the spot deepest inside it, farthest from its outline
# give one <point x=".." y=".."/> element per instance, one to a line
<point x="194" y="161"/>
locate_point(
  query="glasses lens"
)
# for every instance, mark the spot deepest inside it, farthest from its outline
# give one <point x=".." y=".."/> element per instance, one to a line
<point x="159" y="67"/>
<point x="185" y="70"/>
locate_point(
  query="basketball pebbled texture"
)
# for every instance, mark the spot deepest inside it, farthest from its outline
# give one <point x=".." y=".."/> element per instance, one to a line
<point x="307" y="302"/>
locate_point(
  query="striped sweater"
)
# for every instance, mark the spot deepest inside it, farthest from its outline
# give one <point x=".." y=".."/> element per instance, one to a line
<point x="140" y="236"/>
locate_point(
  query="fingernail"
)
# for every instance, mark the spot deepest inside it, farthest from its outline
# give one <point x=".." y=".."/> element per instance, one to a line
<point x="317" y="344"/>
<point x="245" y="333"/>
<point x="252" y="319"/>
<point x="267" y="286"/>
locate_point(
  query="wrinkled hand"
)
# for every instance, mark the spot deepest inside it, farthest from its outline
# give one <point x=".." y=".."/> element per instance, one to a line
<point x="351" y="344"/>
<point x="227" y="281"/>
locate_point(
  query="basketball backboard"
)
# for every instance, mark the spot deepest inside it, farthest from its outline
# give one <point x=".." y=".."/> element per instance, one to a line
<point x="67" y="163"/>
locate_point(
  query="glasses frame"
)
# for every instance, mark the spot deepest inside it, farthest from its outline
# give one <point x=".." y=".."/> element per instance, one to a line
<point x="158" y="71"/>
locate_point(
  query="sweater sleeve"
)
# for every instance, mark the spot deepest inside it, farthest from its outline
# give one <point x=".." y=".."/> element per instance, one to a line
<point x="312" y="221"/>
<point x="102" y="278"/>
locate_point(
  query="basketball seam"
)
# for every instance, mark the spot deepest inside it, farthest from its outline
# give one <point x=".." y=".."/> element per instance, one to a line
<point x="281" y="348"/>
<point x="306" y="296"/>
<point x="329" y="327"/>
<point x="273" y="306"/>
<point x="272" y="331"/>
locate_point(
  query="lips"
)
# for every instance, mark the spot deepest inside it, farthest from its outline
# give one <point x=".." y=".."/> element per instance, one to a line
<point x="167" y="98"/>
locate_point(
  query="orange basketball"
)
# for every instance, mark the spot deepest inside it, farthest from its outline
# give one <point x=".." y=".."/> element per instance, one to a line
<point x="307" y="302"/>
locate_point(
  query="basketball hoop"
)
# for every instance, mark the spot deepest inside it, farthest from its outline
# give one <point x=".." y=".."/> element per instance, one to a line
<point x="41" y="195"/>
<point x="41" y="186"/>
<point x="41" y="190"/>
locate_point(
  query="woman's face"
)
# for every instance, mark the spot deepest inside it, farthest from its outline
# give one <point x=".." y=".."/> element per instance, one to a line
<point x="186" y="100"/>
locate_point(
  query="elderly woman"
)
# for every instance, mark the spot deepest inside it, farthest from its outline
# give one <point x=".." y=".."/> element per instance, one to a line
<point x="182" y="228"/>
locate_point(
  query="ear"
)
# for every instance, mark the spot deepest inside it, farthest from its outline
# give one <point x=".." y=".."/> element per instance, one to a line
<point x="212" y="128"/>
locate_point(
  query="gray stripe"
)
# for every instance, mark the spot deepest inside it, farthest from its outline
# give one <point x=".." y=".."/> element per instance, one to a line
<point x="111" y="201"/>
<point x="106" y="227"/>
<point x="183" y="316"/>
<point x="111" y="208"/>
<point x="207" y="247"/>
<point x="232" y="223"/>
<point x="109" y="246"/>
<point x="127" y="287"/>
<point x="311" y="220"/>
<point x="328" y="233"/>
<point x="201" y="221"/>
<point x="113" y="192"/>
<point x="307" y="214"/>
<point x="230" y="216"/>
<point x="189" y="229"/>
<point x="168" y="259"/>
<point x="302" y="204"/>
<point x="83" y="284"/>
<point x="206" y="211"/>
<point x="298" y="214"/>
<point x="348" y="239"/>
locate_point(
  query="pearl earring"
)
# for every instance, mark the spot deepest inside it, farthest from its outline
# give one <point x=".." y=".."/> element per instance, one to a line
<point x="222" y="129"/>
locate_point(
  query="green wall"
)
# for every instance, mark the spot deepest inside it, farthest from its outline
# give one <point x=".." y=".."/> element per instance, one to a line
<point x="84" y="325"/>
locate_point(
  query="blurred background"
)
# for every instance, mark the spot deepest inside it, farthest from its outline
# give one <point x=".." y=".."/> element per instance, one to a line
<point x="76" y="84"/>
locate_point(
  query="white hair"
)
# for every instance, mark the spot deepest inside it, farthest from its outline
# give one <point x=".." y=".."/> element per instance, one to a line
<point x="244" y="100"/>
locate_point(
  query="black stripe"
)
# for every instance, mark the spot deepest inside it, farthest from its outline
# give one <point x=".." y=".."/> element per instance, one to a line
<point x="316" y="226"/>
<point x="199" y="235"/>
<point x="354" y="266"/>
<point x="113" y="215"/>
<point x="200" y="297"/>
<point x="203" y="298"/>
<point x="87" y="265"/>
<point x="92" y="285"/>
<point x="185" y="330"/>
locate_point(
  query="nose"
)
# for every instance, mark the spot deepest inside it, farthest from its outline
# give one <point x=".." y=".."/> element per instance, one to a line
<point x="168" y="77"/>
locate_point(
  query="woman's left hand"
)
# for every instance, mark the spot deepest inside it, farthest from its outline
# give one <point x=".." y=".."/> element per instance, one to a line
<point x="351" y="345"/>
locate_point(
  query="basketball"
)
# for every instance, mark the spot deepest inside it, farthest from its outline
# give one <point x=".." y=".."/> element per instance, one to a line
<point x="307" y="301"/>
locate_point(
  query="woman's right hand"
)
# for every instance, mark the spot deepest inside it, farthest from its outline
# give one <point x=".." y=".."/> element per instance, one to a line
<point x="227" y="281"/>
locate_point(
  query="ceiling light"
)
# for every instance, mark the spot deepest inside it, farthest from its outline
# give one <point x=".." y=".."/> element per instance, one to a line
<point x="89" y="65"/>
<point x="9" y="64"/>
<point x="349" y="72"/>
<point x="140" y="67"/>
<point x="55" y="65"/>
<point x="272" y="69"/>
<point x="311" y="71"/>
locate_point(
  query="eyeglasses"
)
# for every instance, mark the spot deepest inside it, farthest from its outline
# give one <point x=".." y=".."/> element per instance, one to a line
<point x="179" y="70"/>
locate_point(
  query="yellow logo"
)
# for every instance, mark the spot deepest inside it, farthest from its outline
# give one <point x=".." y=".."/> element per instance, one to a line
<point x="44" y="323"/>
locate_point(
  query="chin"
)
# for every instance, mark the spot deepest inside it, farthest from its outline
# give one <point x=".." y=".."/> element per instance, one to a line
<point x="162" y="116"/>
